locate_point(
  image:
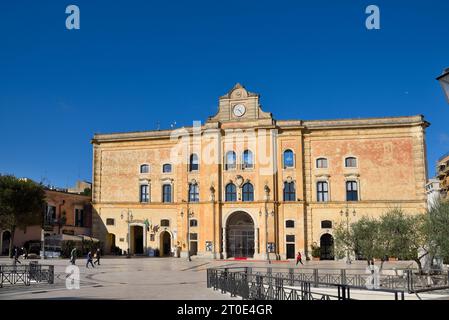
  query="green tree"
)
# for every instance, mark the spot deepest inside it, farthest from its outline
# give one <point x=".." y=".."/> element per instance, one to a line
<point x="87" y="192"/>
<point x="437" y="227"/>
<point x="403" y="235"/>
<point x="362" y="237"/>
<point x="22" y="203"/>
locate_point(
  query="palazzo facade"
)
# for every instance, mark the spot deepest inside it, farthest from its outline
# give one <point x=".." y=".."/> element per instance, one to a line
<point x="245" y="185"/>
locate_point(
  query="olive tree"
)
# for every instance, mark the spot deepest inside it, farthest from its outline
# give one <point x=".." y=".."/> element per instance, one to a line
<point x="437" y="227"/>
<point x="362" y="237"/>
<point x="403" y="235"/>
<point x="394" y="234"/>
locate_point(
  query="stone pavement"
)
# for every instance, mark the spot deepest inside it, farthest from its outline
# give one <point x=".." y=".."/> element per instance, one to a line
<point x="121" y="278"/>
<point x="150" y="278"/>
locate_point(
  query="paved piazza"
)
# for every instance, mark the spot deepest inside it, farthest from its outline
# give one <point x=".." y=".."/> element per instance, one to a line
<point x="148" y="278"/>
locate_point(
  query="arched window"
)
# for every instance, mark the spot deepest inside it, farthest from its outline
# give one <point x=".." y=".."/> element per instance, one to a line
<point x="289" y="191"/>
<point x="231" y="193"/>
<point x="194" y="163"/>
<point x="288" y="158"/>
<point x="351" y="162"/>
<point x="322" y="191"/>
<point x="321" y="163"/>
<point x="194" y="194"/>
<point x="166" y="168"/>
<point x="230" y="161"/>
<point x="248" y="192"/>
<point x="289" y="223"/>
<point x="351" y="191"/>
<point x="144" y="168"/>
<point x="326" y="224"/>
<point x="248" y="161"/>
<point x="166" y="193"/>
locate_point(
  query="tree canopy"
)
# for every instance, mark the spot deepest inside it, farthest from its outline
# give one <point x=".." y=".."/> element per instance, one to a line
<point x="21" y="203"/>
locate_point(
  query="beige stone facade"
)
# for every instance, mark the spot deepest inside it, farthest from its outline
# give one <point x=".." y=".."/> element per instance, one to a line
<point x="301" y="172"/>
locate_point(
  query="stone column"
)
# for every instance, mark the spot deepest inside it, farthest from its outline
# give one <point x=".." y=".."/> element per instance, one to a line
<point x="225" y="255"/>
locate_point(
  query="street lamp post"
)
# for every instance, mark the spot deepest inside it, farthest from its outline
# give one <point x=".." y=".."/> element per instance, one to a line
<point x="129" y="218"/>
<point x="444" y="81"/>
<point x="267" y="195"/>
<point x="346" y="214"/>
<point x="188" y="215"/>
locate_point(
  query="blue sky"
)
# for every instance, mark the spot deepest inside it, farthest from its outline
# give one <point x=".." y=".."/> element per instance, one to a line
<point x="134" y="63"/>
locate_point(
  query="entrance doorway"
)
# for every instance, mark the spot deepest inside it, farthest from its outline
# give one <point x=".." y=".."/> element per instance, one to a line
<point x="165" y="244"/>
<point x="326" y="247"/>
<point x="111" y="243"/>
<point x="240" y="235"/>
<point x="6" y="239"/>
<point x="290" y="251"/>
<point x="193" y="248"/>
<point x="136" y="239"/>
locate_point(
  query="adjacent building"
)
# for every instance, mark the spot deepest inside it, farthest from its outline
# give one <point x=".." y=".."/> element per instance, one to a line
<point x="81" y="187"/>
<point x="65" y="213"/>
<point x="442" y="175"/>
<point x="246" y="185"/>
<point x="433" y="192"/>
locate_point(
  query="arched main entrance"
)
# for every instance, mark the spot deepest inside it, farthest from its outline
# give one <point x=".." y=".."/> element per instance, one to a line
<point x="240" y="235"/>
<point x="326" y="247"/>
<point x="6" y="239"/>
<point x="165" y="244"/>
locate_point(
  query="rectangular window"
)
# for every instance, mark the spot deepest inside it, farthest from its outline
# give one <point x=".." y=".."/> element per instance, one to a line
<point x="350" y="162"/>
<point x="351" y="191"/>
<point x="166" y="193"/>
<point x="326" y="224"/>
<point x="194" y="236"/>
<point x="321" y="163"/>
<point x="289" y="191"/>
<point x="79" y="218"/>
<point x="290" y="238"/>
<point x="50" y="215"/>
<point x="110" y="222"/>
<point x="322" y="191"/>
<point x="144" y="193"/>
<point x="194" y="194"/>
<point x="194" y="223"/>
<point x="165" y="223"/>
<point x="290" y="224"/>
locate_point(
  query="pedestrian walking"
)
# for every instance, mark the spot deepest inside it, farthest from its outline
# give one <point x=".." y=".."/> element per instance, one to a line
<point x="73" y="256"/>
<point x="299" y="258"/>
<point x="97" y="256"/>
<point x="25" y="253"/>
<point x="89" y="260"/>
<point x="16" y="255"/>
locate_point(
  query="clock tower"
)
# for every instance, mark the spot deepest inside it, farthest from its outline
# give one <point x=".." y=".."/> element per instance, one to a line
<point x="240" y="105"/>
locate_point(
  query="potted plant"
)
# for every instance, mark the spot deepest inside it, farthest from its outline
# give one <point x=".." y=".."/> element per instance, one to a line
<point x="316" y="252"/>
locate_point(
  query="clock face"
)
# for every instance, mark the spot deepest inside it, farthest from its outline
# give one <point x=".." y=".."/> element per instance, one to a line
<point x="239" y="110"/>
